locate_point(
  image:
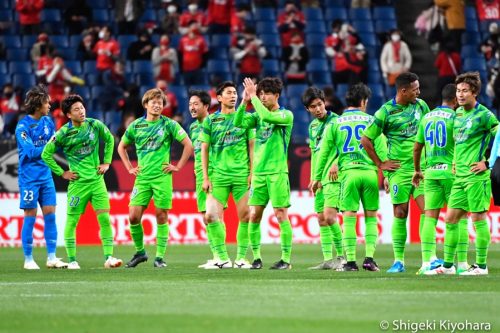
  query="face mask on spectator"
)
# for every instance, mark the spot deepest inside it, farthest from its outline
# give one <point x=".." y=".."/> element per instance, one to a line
<point x="193" y="8"/>
<point x="8" y="94"/>
<point x="171" y="9"/>
<point x="395" y="38"/>
<point x="101" y="34"/>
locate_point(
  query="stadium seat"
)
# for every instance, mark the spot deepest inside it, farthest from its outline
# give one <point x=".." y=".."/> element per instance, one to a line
<point x="51" y="15"/>
<point x="24" y="80"/>
<point x="313" y="14"/>
<point x="96" y="91"/>
<point x="142" y="66"/>
<point x="179" y="91"/>
<point x="149" y="15"/>
<point x="316" y="39"/>
<point x="273" y="52"/>
<point x="28" y="40"/>
<point x="59" y="41"/>
<point x="315" y="27"/>
<point x="100" y="15"/>
<point x="368" y="39"/>
<point x="218" y="53"/>
<point x="374" y="77"/>
<point x="474" y="64"/>
<point x="11" y="41"/>
<point x="82" y="91"/>
<point x="20" y="67"/>
<point x="68" y="53"/>
<point x="337" y="3"/>
<point x="125" y="41"/>
<point x="471" y="25"/>
<point x="377" y="89"/>
<point x="5" y="78"/>
<point x="384" y="13"/>
<point x="385" y="25"/>
<point x="218" y="66"/>
<point x="271" y="67"/>
<point x="6" y="15"/>
<point x="220" y="40"/>
<point x="317" y="65"/>
<point x="270" y="39"/>
<point x="266" y="27"/>
<point x="145" y="79"/>
<point x="3" y="67"/>
<point x="470" y="51"/>
<point x="373" y="65"/>
<point x="375" y="102"/>
<point x="362" y="14"/>
<point x="20" y="54"/>
<point x="92" y="79"/>
<point x="471" y="38"/>
<point x="295" y="89"/>
<point x="89" y="67"/>
<point x="74" y="66"/>
<point x="363" y="26"/>
<point x="265" y="14"/>
<point x="316" y="51"/>
<point x="332" y="14"/>
<point x="98" y="4"/>
<point x="470" y="13"/>
<point x="75" y="40"/>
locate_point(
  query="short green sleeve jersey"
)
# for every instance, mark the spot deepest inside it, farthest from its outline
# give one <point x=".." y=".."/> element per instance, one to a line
<point x="194" y="134"/>
<point x="472" y="131"/>
<point x="152" y="140"/>
<point x="228" y="144"/>
<point x="316" y="134"/>
<point x="399" y="124"/>
<point x="436" y="133"/>
<point x="80" y="145"/>
<point x="273" y="132"/>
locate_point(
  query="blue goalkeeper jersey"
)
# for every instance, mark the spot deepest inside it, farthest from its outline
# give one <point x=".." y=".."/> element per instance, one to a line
<point x="32" y="136"/>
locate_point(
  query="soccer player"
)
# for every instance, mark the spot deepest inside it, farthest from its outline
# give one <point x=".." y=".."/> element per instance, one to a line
<point x="152" y="136"/>
<point x="329" y="229"/>
<point x="473" y="127"/>
<point x="270" y="169"/>
<point x="398" y="120"/>
<point x="79" y="141"/>
<point x="35" y="180"/>
<point x="228" y="150"/>
<point x="435" y="133"/>
<point x="358" y="173"/>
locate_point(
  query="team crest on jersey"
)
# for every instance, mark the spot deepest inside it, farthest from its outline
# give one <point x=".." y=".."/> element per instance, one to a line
<point x="24" y="135"/>
<point x="469" y="124"/>
<point x="92" y="136"/>
<point x="46" y="130"/>
<point x="417" y="115"/>
<point x="160" y="132"/>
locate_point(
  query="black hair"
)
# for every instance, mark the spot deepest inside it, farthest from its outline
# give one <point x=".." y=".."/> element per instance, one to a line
<point x="311" y="94"/>
<point x="224" y="85"/>
<point x="405" y="79"/>
<point x="449" y="92"/>
<point x="35" y="98"/>
<point x="68" y="102"/>
<point x="270" y="84"/>
<point x="202" y="95"/>
<point x="356" y="94"/>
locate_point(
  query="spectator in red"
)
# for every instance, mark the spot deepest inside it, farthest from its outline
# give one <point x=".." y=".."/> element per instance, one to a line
<point x="112" y="95"/>
<point x="164" y="59"/>
<point x="290" y="21"/>
<point x="219" y="16"/>
<point x="192" y="13"/>
<point x="142" y="48"/>
<point x="107" y="50"/>
<point x="491" y="44"/>
<point x="239" y="19"/>
<point x="358" y="65"/>
<point x="295" y="56"/>
<point x="337" y="45"/>
<point x="449" y="65"/>
<point x="247" y="51"/>
<point x="29" y="15"/>
<point x="127" y="14"/>
<point x="10" y="105"/>
<point x="193" y="51"/>
<point x="488" y="9"/>
<point x="171" y="108"/>
<point x="42" y="47"/>
<point x="58" y="77"/>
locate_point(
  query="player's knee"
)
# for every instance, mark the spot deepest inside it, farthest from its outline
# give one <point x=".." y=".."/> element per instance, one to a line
<point x="254" y="216"/>
<point x="281" y="214"/>
<point x="161" y="216"/>
<point x="400" y="212"/>
<point x="211" y="217"/>
<point x="244" y="215"/>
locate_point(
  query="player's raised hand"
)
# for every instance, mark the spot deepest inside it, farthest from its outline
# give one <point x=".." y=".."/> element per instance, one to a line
<point x="246" y="98"/>
<point x="207" y="186"/>
<point x="333" y="174"/>
<point x="386" y="185"/>
<point x="70" y="175"/>
<point x="417" y="177"/>
<point x="134" y="171"/>
<point x="478" y="167"/>
<point x="102" y="168"/>
<point x="169" y="168"/>
<point x="250" y="87"/>
<point x="390" y="165"/>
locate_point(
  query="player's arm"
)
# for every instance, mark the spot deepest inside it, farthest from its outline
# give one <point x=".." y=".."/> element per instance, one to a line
<point x="417" y="154"/>
<point x="109" y="144"/>
<point x="205" y="136"/>
<point x="26" y="143"/>
<point x="251" y="146"/>
<point x="48" y="157"/>
<point x="243" y="119"/>
<point x="491" y="125"/>
<point x="127" y="140"/>
<point x="325" y="150"/>
<point x="186" y="153"/>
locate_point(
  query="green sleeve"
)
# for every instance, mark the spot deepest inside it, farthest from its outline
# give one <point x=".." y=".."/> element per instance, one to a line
<point x="491" y="122"/>
<point x="381" y="147"/>
<point x="420" y="133"/>
<point x="109" y="143"/>
<point x="376" y="126"/>
<point x="277" y="118"/>
<point x="311" y="139"/>
<point x="206" y="130"/>
<point x="327" y="146"/>
<point x="425" y="107"/>
<point x="128" y="137"/>
<point x="244" y="120"/>
<point x="48" y="155"/>
<point x="179" y="133"/>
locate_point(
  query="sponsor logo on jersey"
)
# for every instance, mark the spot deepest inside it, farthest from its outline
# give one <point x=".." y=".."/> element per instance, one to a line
<point x="218" y="119"/>
<point x="24" y="135"/>
<point x="71" y="133"/>
<point x="141" y="125"/>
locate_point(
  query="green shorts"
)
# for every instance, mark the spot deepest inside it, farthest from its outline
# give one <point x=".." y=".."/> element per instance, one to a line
<point x="201" y="198"/>
<point x="401" y="188"/>
<point x="79" y="195"/>
<point x="471" y="196"/>
<point x="359" y="185"/>
<point x="274" y="187"/>
<point x="331" y="192"/>
<point x="159" y="189"/>
<point x="222" y="186"/>
<point x="437" y="192"/>
<point x="319" y="201"/>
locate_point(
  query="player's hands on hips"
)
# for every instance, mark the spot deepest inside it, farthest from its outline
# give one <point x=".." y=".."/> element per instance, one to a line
<point x="478" y="167"/>
<point x="333" y="174"/>
<point x="101" y="169"/>
<point x="249" y="180"/>
<point x="134" y="171"/>
<point x="207" y="186"/>
<point x="386" y="185"/>
<point x="315" y="186"/>
<point x="390" y="165"/>
<point x="250" y="87"/>
<point x="417" y="177"/>
<point x="70" y="175"/>
<point x="169" y="168"/>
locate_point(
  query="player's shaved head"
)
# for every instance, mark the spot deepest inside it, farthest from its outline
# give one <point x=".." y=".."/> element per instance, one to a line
<point x="473" y="79"/>
<point x="404" y="80"/>
<point x="35" y="98"/>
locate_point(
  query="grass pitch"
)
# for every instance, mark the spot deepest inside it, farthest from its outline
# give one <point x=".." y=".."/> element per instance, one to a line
<point x="183" y="298"/>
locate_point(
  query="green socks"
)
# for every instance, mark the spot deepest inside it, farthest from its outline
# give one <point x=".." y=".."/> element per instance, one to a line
<point x="70" y="236"/>
<point x="350" y="237"/>
<point x="483" y="238"/>
<point x="161" y="240"/>
<point x="254" y="234"/>
<point x="325" y="237"/>
<point x="219" y="241"/>
<point x="210" y="242"/>
<point x="137" y="234"/>
<point x="106" y="234"/>
<point x="371" y="235"/>
<point x="242" y="240"/>
<point x="450" y="244"/>
<point x="463" y="241"/>
<point x="286" y="240"/>
<point x="337" y="238"/>
<point x="399" y="238"/>
<point x="428" y="238"/>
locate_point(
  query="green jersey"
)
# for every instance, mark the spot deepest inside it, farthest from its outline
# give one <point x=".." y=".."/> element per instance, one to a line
<point x="153" y="140"/>
<point x="343" y="135"/>
<point x="399" y="124"/>
<point x="194" y="134"/>
<point x="316" y="134"/>
<point x="436" y="132"/>
<point x="80" y="145"/>
<point x="228" y="144"/>
<point x="472" y="131"/>
<point x="273" y="132"/>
